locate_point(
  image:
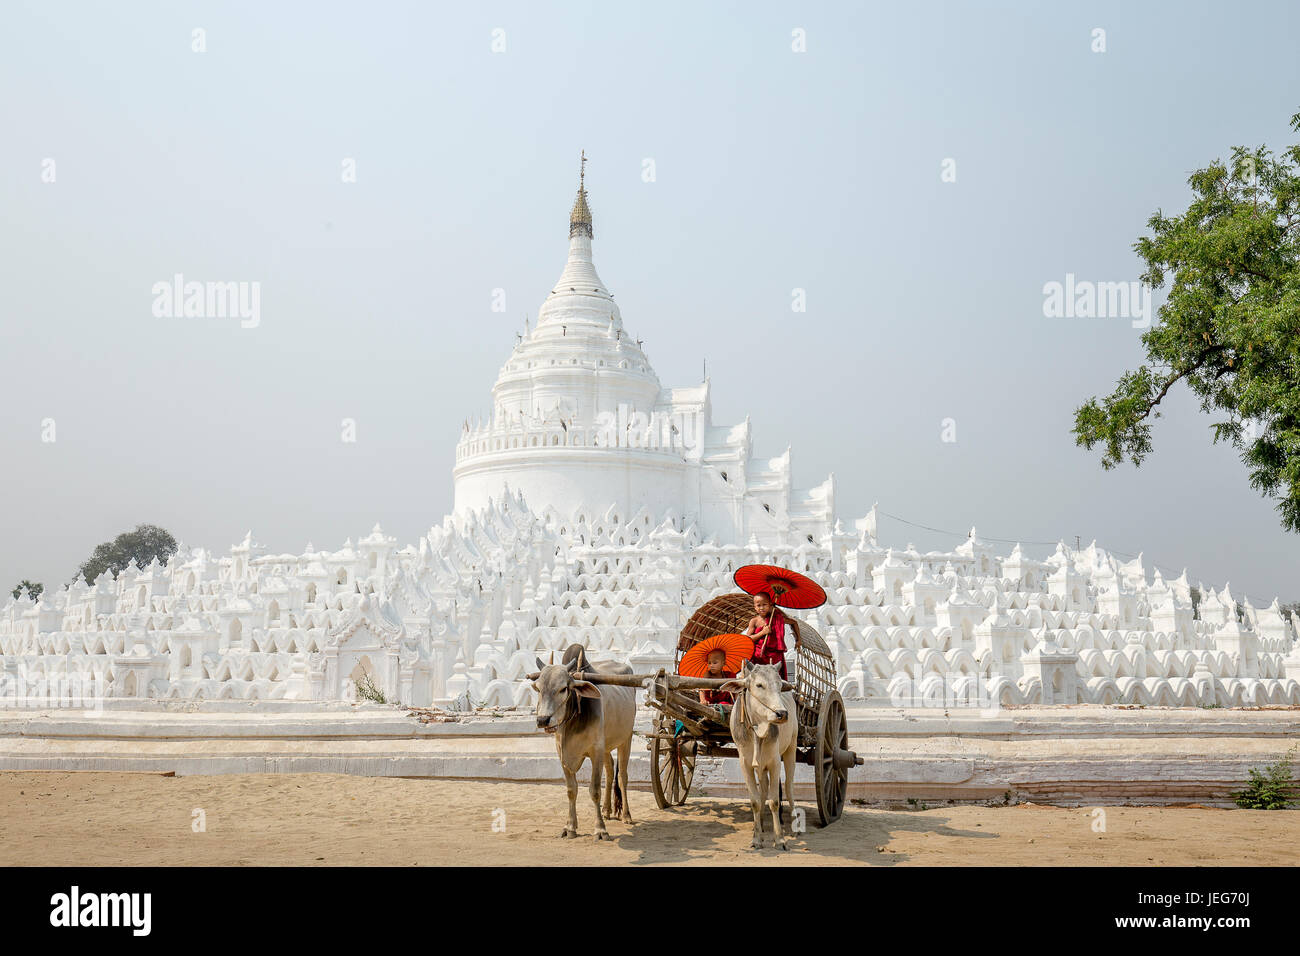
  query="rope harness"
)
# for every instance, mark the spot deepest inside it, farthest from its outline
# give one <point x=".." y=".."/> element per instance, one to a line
<point x="570" y="710"/>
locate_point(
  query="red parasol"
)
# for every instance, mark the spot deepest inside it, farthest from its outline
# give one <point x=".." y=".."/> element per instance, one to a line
<point x="786" y="588"/>
<point x="738" y="648"/>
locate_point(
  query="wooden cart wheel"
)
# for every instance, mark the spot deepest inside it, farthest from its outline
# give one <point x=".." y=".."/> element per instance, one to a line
<point x="832" y="734"/>
<point x="672" y="762"/>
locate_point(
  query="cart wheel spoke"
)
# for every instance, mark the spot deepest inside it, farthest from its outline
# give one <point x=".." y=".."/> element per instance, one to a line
<point x="673" y="767"/>
<point x="832" y="735"/>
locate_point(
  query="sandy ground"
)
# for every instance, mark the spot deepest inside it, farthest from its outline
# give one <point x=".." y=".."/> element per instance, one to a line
<point x="59" y="818"/>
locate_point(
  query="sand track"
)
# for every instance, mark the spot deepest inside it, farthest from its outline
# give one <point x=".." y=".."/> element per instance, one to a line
<point x="87" y="818"/>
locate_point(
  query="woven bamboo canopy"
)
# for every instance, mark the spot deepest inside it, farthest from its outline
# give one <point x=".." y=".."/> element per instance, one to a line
<point x="730" y="614"/>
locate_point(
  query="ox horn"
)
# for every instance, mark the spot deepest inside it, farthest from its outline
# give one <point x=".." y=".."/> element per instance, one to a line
<point x="552" y="657"/>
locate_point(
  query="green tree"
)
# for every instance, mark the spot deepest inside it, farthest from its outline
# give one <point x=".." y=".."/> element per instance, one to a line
<point x="142" y="545"/>
<point x="1230" y="327"/>
<point x="33" y="589"/>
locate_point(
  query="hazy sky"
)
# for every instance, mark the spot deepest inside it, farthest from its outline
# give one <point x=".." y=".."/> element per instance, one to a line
<point x="775" y="170"/>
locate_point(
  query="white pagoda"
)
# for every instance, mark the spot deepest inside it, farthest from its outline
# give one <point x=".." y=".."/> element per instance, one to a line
<point x="595" y="506"/>
<point x="580" y="424"/>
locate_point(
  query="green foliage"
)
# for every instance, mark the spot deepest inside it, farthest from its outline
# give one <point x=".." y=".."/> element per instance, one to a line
<point x="142" y="545"/>
<point x="367" y="690"/>
<point x="1270" y="788"/>
<point x="34" y="589"/>
<point x="1230" y="327"/>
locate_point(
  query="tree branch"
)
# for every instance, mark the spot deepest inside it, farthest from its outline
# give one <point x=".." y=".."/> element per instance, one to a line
<point x="1169" y="383"/>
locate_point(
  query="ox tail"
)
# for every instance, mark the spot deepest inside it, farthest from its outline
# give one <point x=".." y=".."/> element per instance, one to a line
<point x="618" y="793"/>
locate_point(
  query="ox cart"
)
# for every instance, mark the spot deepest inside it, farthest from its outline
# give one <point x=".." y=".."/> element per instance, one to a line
<point x="686" y="730"/>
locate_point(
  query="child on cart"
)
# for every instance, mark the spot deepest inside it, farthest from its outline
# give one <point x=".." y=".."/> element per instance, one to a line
<point x="767" y="627"/>
<point x="718" y="699"/>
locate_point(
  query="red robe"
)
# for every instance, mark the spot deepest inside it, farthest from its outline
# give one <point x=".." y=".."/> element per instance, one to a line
<point x="771" y="649"/>
<point x="714" y="695"/>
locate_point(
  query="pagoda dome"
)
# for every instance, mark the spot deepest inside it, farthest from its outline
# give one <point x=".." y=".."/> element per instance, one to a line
<point x="578" y="361"/>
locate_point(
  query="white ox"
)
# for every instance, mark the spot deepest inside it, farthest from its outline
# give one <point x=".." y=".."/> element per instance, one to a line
<point x="765" y="728"/>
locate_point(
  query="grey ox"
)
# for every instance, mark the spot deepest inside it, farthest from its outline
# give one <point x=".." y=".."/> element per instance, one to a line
<point x="765" y="727"/>
<point x="588" y="722"/>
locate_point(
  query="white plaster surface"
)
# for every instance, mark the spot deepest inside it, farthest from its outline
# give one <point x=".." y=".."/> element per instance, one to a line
<point x="596" y="506"/>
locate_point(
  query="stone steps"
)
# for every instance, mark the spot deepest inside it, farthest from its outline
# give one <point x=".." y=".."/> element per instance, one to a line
<point x="1073" y="756"/>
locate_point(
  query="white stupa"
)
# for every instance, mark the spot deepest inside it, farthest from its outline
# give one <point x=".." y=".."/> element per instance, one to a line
<point x="595" y="506"/>
<point x="580" y="422"/>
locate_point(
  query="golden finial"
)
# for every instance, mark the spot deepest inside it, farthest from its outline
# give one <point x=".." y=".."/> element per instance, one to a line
<point x="580" y="217"/>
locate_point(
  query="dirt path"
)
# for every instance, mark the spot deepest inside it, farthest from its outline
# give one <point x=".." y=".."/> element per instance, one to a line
<point x="59" y="818"/>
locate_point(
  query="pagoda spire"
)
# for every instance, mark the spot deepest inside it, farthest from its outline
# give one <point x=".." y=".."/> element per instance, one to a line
<point x="580" y="217"/>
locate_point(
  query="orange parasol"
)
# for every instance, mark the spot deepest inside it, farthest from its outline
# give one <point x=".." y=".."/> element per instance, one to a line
<point x="738" y="648"/>
<point x="786" y="588"/>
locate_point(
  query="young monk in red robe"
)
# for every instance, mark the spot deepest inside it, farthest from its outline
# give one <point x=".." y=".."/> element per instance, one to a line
<point x="767" y="627"/>
<point x="720" y="699"/>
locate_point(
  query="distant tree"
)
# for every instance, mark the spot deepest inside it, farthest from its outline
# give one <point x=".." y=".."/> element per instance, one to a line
<point x="33" y="589"/>
<point x="1230" y="327"/>
<point x="142" y="545"/>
